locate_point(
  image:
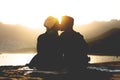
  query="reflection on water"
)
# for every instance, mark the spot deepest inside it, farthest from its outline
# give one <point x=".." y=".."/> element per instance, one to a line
<point x="22" y="59"/>
<point x="100" y="59"/>
<point x="15" y="59"/>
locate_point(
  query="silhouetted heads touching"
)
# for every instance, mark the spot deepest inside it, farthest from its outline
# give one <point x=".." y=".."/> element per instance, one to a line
<point x="51" y="47"/>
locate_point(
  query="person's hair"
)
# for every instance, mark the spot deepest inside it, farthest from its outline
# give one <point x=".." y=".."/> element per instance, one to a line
<point x="68" y="20"/>
<point x="50" y="22"/>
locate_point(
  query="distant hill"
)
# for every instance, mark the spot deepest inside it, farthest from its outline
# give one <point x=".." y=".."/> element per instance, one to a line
<point x="17" y="38"/>
<point x="94" y="29"/>
<point x="108" y="44"/>
<point x="102" y="36"/>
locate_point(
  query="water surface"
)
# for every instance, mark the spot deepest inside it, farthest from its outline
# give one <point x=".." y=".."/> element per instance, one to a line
<point x="24" y="58"/>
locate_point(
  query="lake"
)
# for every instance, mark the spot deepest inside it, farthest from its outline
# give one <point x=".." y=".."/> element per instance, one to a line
<point x="24" y="58"/>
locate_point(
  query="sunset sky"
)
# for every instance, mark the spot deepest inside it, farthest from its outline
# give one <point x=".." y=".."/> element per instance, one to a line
<point x="32" y="13"/>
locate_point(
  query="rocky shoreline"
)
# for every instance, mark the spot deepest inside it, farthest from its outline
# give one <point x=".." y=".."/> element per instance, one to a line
<point x="98" y="71"/>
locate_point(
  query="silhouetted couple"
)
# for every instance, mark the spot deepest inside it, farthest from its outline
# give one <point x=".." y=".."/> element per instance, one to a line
<point x="67" y="51"/>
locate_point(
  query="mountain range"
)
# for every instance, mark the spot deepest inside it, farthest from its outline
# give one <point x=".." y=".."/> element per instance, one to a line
<point x="102" y="36"/>
<point x="17" y="38"/>
<point x="107" y="44"/>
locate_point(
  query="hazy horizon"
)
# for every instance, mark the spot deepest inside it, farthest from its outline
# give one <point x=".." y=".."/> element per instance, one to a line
<point x="24" y="38"/>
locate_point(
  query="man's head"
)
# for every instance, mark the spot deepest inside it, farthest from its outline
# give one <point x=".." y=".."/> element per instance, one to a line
<point x="51" y="23"/>
<point x="67" y="23"/>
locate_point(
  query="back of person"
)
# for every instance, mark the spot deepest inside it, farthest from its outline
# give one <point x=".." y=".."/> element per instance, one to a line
<point x="73" y="46"/>
<point x="48" y="46"/>
<point x="47" y="57"/>
<point x="75" y="50"/>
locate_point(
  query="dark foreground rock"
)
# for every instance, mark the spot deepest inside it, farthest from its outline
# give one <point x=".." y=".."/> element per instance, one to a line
<point x="101" y="71"/>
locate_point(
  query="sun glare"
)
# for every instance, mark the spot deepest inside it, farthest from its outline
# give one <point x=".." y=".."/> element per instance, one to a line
<point x="32" y="13"/>
<point x="59" y="17"/>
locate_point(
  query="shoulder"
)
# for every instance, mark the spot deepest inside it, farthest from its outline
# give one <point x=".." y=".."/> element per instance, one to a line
<point x="77" y="34"/>
<point x="79" y="37"/>
<point x="62" y="34"/>
<point x="41" y="36"/>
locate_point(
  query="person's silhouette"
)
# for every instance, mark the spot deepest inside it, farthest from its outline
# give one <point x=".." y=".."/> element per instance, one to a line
<point x="47" y="57"/>
<point x="73" y="46"/>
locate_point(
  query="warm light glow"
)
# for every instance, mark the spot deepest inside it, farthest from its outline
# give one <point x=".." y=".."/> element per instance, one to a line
<point x="15" y="59"/>
<point x="22" y="59"/>
<point x="58" y="16"/>
<point x="32" y="13"/>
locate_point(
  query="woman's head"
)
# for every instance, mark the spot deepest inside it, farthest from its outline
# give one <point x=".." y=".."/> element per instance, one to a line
<point x="51" y="23"/>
